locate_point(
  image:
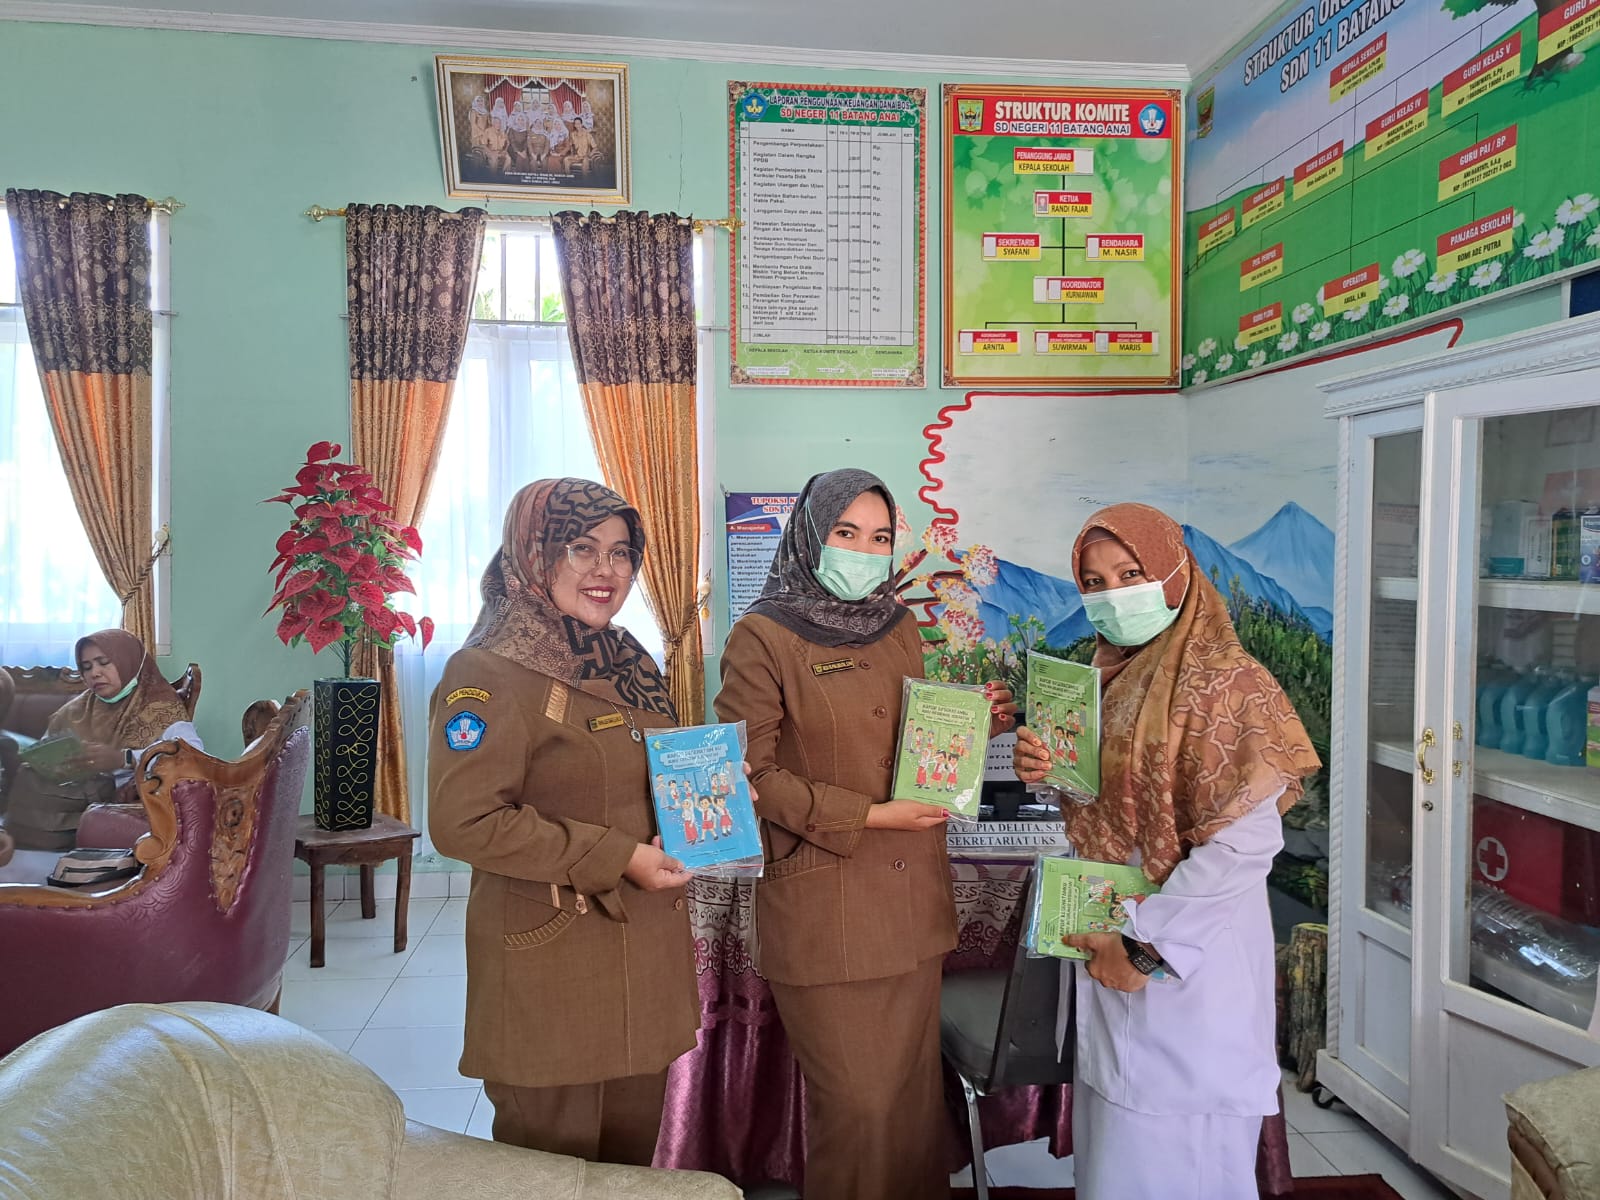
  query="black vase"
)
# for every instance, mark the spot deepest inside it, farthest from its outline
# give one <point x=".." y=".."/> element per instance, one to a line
<point x="346" y="762"/>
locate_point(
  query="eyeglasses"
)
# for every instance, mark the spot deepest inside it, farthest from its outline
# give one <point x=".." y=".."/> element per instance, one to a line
<point x="585" y="557"/>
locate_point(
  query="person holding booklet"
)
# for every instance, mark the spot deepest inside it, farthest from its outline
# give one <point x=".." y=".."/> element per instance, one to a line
<point x="1200" y="753"/>
<point x="580" y="965"/>
<point x="127" y="706"/>
<point x="855" y="912"/>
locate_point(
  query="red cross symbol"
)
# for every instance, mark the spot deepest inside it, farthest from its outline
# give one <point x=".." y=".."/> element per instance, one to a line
<point x="1493" y="861"/>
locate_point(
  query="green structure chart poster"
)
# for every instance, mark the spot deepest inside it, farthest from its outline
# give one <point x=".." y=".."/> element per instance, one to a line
<point x="1061" y="222"/>
<point x="827" y="184"/>
<point x="1366" y="164"/>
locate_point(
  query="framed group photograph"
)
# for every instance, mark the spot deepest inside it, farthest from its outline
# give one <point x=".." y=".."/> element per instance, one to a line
<point x="531" y="129"/>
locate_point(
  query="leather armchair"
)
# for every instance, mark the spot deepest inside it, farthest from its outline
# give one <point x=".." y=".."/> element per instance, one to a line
<point x="196" y="1101"/>
<point x="207" y="916"/>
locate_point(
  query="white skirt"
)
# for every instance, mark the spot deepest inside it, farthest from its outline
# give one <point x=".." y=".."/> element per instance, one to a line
<point x="1119" y="1154"/>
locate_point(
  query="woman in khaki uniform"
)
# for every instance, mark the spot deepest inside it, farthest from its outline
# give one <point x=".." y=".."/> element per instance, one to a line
<point x="580" y="968"/>
<point x="855" y="910"/>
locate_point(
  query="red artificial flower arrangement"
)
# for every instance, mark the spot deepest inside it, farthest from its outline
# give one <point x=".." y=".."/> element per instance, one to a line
<point x="342" y="560"/>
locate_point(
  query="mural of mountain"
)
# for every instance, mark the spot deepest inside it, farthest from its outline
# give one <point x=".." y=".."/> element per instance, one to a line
<point x="1296" y="550"/>
<point x="1222" y="564"/>
<point x="1294" y="542"/>
<point x="1026" y="592"/>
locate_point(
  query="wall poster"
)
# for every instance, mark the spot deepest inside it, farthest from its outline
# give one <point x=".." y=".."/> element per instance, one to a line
<point x="1363" y="164"/>
<point x="1061" y="236"/>
<point x="755" y="522"/>
<point x="828" y="186"/>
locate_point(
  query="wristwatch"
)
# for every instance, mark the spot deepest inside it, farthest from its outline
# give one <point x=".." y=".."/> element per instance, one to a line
<point x="1143" y="961"/>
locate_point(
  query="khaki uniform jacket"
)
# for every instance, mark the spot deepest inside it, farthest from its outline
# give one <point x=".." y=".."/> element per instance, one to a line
<point x="574" y="975"/>
<point x="838" y="902"/>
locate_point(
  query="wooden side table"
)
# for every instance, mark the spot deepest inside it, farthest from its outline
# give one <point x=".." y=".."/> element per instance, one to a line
<point x="386" y="838"/>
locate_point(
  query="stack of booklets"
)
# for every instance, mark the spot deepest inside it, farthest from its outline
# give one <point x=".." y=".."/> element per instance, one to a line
<point x="1062" y="706"/>
<point x="1076" y="895"/>
<point x="940" y="758"/>
<point x="702" y="800"/>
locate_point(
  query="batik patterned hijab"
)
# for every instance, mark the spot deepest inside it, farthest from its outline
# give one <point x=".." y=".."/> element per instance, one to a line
<point x="521" y="622"/>
<point x="794" y="598"/>
<point x="133" y="722"/>
<point x="1194" y="732"/>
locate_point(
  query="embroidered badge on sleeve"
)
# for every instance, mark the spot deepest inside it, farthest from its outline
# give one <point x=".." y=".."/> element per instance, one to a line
<point x="464" y="731"/>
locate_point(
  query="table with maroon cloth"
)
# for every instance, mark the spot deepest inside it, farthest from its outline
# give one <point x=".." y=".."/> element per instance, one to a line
<point x="736" y="1103"/>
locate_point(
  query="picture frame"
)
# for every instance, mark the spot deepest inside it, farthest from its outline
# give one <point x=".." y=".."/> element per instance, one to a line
<point x="534" y="129"/>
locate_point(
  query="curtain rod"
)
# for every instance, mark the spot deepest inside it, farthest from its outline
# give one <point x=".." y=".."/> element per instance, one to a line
<point x="168" y="206"/>
<point x="317" y="213"/>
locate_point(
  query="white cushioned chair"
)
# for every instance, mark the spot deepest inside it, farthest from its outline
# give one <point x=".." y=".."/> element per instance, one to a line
<point x="203" y="1101"/>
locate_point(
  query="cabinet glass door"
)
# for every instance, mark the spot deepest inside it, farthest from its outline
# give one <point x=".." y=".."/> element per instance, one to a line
<point x="1526" y="901"/>
<point x="1508" y="807"/>
<point x="1376" y="637"/>
<point x="1391" y="672"/>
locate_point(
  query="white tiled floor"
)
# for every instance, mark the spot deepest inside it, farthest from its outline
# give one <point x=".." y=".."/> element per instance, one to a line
<point x="401" y="1014"/>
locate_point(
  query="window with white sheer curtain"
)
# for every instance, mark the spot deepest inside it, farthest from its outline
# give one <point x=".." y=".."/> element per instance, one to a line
<point x="516" y="416"/>
<point x="52" y="590"/>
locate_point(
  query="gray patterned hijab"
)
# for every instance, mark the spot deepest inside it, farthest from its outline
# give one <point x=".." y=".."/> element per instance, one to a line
<point x="792" y="595"/>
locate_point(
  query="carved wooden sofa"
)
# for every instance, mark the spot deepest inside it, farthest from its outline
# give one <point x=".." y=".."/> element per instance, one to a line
<point x="39" y="691"/>
<point x="206" y="917"/>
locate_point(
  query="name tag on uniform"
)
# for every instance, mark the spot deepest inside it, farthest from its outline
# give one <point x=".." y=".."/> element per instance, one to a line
<point x="609" y="721"/>
<point x="831" y="668"/>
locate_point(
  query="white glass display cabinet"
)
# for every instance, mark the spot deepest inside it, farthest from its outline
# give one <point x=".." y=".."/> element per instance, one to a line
<point x="1465" y="859"/>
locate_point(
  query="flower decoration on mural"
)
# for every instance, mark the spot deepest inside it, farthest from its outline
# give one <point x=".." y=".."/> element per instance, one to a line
<point x="1409" y="263"/>
<point x="1303" y="313"/>
<point x="1487" y="274"/>
<point x="1438" y="284"/>
<point x="342" y="560"/>
<point x="1545" y="243"/>
<point x="1396" y="306"/>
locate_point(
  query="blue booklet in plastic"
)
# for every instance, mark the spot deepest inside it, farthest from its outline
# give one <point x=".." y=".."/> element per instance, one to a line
<point x="702" y="800"/>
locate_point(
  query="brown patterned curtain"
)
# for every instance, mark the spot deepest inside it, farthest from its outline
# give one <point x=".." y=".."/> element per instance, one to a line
<point x="629" y="287"/>
<point x="83" y="269"/>
<point x="412" y="275"/>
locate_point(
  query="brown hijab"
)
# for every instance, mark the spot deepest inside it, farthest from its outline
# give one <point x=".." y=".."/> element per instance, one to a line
<point x="521" y="622"/>
<point x="133" y="722"/>
<point x="1194" y="732"/>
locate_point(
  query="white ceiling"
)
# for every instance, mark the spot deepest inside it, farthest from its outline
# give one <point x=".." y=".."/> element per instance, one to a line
<point x="1190" y="33"/>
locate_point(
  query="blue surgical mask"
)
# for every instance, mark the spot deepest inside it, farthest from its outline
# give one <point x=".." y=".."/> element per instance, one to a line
<point x="127" y="690"/>
<point x="849" y="574"/>
<point x="1131" y="616"/>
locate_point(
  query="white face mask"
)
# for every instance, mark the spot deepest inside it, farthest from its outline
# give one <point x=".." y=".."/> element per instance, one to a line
<point x="1131" y="616"/>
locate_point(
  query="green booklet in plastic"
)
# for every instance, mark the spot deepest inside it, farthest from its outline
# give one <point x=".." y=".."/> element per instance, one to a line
<point x="1062" y="706"/>
<point x="1076" y="895"/>
<point x="50" y="756"/>
<point x="944" y="735"/>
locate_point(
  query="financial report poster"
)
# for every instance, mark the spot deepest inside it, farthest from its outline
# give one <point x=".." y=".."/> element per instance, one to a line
<point x="827" y="185"/>
<point x="1061" y="223"/>
<point x="1360" y="166"/>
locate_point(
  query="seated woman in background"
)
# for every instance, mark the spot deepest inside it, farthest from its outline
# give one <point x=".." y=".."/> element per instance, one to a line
<point x="127" y="707"/>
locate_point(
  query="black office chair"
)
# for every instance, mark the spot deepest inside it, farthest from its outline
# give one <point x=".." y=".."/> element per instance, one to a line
<point x="997" y="1029"/>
